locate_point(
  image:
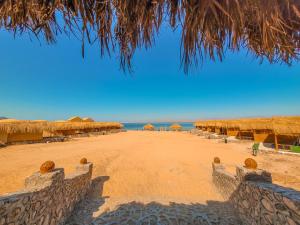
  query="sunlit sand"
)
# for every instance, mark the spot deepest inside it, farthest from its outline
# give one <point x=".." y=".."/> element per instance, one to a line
<point x="144" y="166"/>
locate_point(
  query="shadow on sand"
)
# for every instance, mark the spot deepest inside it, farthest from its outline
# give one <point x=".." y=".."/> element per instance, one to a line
<point x="83" y="212"/>
<point x="134" y="213"/>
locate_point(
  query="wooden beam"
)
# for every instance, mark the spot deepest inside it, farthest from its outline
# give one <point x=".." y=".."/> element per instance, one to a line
<point x="276" y="142"/>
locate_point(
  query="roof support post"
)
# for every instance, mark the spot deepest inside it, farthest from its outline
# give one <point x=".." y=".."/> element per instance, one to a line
<point x="276" y="141"/>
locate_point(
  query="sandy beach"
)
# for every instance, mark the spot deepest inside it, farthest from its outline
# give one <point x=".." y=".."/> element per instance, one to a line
<point x="144" y="166"/>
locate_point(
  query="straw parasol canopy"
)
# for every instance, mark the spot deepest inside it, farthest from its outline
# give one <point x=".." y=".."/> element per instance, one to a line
<point x="87" y="119"/>
<point x="176" y="127"/>
<point x="75" y="119"/>
<point x="267" y="28"/>
<point x="149" y="126"/>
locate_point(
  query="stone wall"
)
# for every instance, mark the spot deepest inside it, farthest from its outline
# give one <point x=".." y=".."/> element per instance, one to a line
<point x="225" y="182"/>
<point x="47" y="198"/>
<point x="255" y="198"/>
<point x="266" y="203"/>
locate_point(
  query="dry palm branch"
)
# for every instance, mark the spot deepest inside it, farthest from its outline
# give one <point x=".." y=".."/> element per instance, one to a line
<point x="267" y="28"/>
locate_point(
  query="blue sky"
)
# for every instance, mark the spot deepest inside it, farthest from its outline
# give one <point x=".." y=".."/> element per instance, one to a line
<point x="40" y="81"/>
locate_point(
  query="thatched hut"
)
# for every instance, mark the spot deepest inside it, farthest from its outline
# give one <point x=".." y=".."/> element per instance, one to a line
<point x="176" y="127"/>
<point x="260" y="129"/>
<point x="267" y="28"/>
<point x="281" y="131"/>
<point x="13" y="131"/>
<point x="74" y="128"/>
<point x="149" y="127"/>
<point x="215" y="126"/>
<point x="286" y="130"/>
<point x="75" y="119"/>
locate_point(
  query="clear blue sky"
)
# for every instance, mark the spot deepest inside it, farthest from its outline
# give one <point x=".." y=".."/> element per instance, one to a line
<point x="40" y="81"/>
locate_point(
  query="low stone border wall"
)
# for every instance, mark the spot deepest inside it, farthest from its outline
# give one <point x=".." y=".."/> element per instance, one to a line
<point x="225" y="182"/>
<point x="47" y="198"/>
<point x="255" y="198"/>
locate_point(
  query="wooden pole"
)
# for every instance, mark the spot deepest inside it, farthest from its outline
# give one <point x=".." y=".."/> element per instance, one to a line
<point x="276" y="142"/>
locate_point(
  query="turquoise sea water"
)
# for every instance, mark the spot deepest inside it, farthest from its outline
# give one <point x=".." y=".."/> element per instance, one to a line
<point x="139" y="126"/>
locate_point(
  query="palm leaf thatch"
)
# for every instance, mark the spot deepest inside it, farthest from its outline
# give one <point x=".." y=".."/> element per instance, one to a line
<point x="176" y="127"/>
<point x="267" y="28"/>
<point x="87" y="119"/>
<point x="256" y="124"/>
<point x="149" y="126"/>
<point x="21" y="126"/>
<point x="279" y="125"/>
<point x="59" y="126"/>
<point x="287" y="125"/>
<point x="75" y="119"/>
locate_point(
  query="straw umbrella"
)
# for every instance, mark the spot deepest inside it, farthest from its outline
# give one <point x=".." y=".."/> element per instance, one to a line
<point x="87" y="119"/>
<point x="149" y="126"/>
<point x="267" y="28"/>
<point x="75" y="119"/>
<point x="176" y="127"/>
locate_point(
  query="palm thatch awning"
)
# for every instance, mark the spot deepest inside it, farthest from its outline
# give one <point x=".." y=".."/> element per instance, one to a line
<point x="280" y="125"/>
<point x="87" y="119"/>
<point x="11" y="126"/>
<point x="59" y="126"/>
<point x="30" y="126"/>
<point x="149" y="126"/>
<point x="75" y="119"/>
<point x="256" y="124"/>
<point x="267" y="28"/>
<point x="287" y="125"/>
<point x="176" y="127"/>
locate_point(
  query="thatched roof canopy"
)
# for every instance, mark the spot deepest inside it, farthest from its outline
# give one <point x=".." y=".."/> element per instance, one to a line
<point x="75" y="119"/>
<point x="287" y="125"/>
<point x="175" y="126"/>
<point x="59" y="126"/>
<point x="11" y="126"/>
<point x="149" y="126"/>
<point x="267" y="28"/>
<point x="256" y="124"/>
<point x="30" y="126"/>
<point x="87" y="119"/>
<point x="280" y="125"/>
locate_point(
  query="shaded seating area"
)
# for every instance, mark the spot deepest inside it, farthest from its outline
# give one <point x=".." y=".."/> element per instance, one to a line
<point x="279" y="132"/>
<point x="31" y="131"/>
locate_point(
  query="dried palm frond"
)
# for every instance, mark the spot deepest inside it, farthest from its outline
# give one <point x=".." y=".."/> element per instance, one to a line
<point x="29" y="126"/>
<point x="278" y="124"/>
<point x="268" y="28"/>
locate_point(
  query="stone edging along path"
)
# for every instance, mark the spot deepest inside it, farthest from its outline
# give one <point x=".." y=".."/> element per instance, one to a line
<point x="47" y="198"/>
<point x="51" y="198"/>
<point x="254" y="197"/>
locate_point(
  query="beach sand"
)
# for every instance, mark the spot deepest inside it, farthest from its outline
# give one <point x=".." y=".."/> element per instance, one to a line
<point x="144" y="166"/>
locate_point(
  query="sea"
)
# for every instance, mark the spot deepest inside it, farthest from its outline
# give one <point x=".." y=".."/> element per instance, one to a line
<point x="165" y="125"/>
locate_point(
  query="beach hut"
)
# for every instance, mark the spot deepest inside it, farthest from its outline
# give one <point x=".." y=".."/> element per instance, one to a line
<point x="286" y="131"/>
<point x="149" y="126"/>
<point x="258" y="129"/>
<point x="13" y="131"/>
<point x="75" y="119"/>
<point x="75" y="128"/>
<point x="87" y="119"/>
<point x="232" y="128"/>
<point x="176" y="127"/>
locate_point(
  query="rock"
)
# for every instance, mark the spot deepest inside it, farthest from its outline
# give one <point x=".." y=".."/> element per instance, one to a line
<point x="267" y="205"/>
